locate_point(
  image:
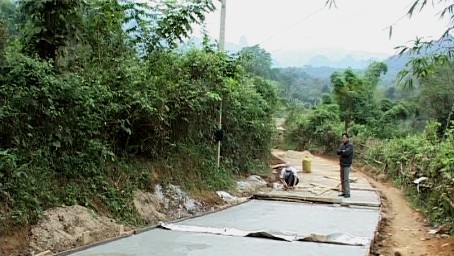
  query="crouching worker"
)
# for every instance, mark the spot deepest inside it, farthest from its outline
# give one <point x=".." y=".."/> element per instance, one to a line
<point x="289" y="177"/>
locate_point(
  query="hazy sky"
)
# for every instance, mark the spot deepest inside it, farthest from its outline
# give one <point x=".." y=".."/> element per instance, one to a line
<point x="305" y="24"/>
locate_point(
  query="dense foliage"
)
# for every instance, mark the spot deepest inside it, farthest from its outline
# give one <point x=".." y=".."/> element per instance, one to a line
<point x="406" y="139"/>
<point x="96" y="104"/>
<point x="421" y="155"/>
<point x="405" y="132"/>
<point x="406" y="136"/>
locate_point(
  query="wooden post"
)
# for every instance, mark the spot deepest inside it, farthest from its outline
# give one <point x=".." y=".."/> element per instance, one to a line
<point x="221" y="48"/>
<point x="222" y="28"/>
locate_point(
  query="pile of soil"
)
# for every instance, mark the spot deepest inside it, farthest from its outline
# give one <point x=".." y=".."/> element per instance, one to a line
<point x="63" y="227"/>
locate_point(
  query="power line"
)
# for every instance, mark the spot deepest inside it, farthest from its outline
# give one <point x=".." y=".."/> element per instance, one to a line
<point x="309" y="16"/>
<point x="294" y="24"/>
<point x="399" y="19"/>
<point x="348" y="18"/>
<point x="308" y="37"/>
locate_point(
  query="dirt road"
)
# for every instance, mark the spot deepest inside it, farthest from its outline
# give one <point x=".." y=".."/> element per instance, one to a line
<point x="404" y="231"/>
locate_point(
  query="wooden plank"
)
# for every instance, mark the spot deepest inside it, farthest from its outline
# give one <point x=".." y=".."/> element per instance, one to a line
<point x="364" y="189"/>
<point x="360" y="203"/>
<point x="324" y="191"/>
<point x="316" y="199"/>
<point x="352" y="180"/>
<point x="44" y="253"/>
<point x="276" y="166"/>
<point x="289" y="196"/>
<point x="357" y="189"/>
<point x="318" y="185"/>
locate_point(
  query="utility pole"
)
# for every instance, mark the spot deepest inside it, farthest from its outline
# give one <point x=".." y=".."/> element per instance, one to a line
<point x="222" y="28"/>
<point x="221" y="49"/>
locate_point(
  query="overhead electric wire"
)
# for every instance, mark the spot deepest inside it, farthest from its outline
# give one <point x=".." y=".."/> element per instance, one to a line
<point x="292" y="25"/>
<point x="321" y="9"/>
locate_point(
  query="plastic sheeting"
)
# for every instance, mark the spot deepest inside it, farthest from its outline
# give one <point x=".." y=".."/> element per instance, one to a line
<point x="335" y="238"/>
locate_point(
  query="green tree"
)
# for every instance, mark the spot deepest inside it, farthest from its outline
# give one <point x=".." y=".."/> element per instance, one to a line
<point x="8" y="14"/>
<point x="428" y="54"/>
<point x="319" y="127"/>
<point x="373" y="73"/>
<point x="437" y="96"/>
<point x="161" y="24"/>
<point x="257" y="61"/>
<point x="349" y="95"/>
<point x="50" y="25"/>
<point x="391" y="92"/>
<point x="297" y="85"/>
<point x="355" y="95"/>
<point x="3" y="37"/>
<point x="74" y="136"/>
<point x="7" y="9"/>
<point x="7" y="22"/>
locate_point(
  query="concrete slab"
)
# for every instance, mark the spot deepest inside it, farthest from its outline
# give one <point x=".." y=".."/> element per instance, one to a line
<point x="272" y="216"/>
<point x="170" y="243"/>
<point x="297" y="218"/>
<point x="324" y="178"/>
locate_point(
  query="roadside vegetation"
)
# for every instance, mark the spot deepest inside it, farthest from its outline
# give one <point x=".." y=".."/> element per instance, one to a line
<point x="97" y="102"/>
<point x="403" y="130"/>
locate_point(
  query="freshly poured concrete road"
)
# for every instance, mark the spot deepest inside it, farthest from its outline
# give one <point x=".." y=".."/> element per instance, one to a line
<point x="273" y="216"/>
<point x="300" y="218"/>
<point x="170" y="243"/>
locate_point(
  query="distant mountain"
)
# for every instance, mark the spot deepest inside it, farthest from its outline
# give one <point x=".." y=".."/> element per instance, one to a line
<point x="335" y="58"/>
<point x="396" y="63"/>
<point x="321" y="63"/>
<point x="322" y="72"/>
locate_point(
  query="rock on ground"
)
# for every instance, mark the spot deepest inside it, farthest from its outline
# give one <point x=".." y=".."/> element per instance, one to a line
<point x="176" y="202"/>
<point x="250" y="185"/>
<point x="149" y="206"/>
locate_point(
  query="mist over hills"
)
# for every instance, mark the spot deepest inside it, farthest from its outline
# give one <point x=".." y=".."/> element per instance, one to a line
<point x="321" y="63"/>
<point x="335" y="58"/>
<point x="323" y="57"/>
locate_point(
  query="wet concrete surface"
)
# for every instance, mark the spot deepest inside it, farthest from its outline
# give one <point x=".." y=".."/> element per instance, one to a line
<point x="287" y="217"/>
<point x="300" y="218"/>
<point x="273" y="216"/>
<point x="169" y="243"/>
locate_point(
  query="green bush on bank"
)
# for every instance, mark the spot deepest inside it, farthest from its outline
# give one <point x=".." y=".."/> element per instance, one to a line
<point x="76" y="137"/>
<point x="403" y="158"/>
<point x="318" y="129"/>
<point x="421" y="155"/>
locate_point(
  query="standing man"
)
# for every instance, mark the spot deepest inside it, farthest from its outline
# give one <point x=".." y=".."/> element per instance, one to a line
<point x="345" y="152"/>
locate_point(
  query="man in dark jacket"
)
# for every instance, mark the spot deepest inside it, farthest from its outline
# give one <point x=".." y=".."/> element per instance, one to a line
<point x="345" y="152"/>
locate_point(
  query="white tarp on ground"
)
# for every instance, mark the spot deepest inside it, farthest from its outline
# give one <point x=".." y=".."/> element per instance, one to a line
<point x="335" y="238"/>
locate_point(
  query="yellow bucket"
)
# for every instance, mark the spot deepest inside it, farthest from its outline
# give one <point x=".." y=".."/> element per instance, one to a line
<point x="307" y="161"/>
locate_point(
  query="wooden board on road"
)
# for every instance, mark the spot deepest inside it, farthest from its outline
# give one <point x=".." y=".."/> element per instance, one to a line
<point x="291" y="196"/>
